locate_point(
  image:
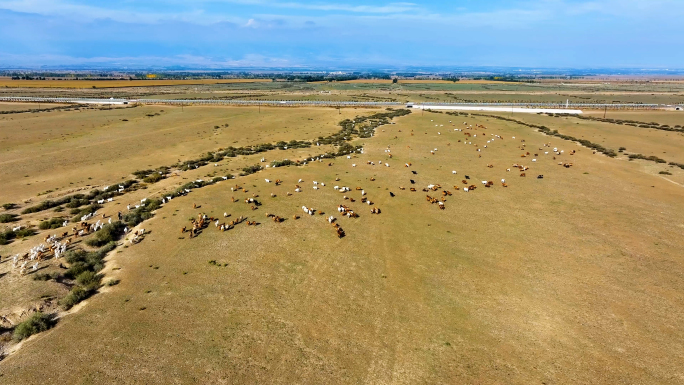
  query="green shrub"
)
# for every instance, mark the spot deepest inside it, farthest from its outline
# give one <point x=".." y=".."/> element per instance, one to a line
<point x="7" y="237"/>
<point x="250" y="169"/>
<point x="56" y="276"/>
<point x="76" y="295"/>
<point x="23" y="233"/>
<point x="38" y="322"/>
<point x="88" y="279"/>
<point x="84" y="268"/>
<point x="85" y="211"/>
<point x="53" y="223"/>
<point x="665" y="173"/>
<point x="143" y="213"/>
<point x="8" y="206"/>
<point x="6" y="218"/>
<point x="153" y="178"/>
<point x="109" y="233"/>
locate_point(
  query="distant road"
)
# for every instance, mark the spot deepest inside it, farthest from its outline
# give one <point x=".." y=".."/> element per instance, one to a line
<point x="572" y="108"/>
<point x="524" y="110"/>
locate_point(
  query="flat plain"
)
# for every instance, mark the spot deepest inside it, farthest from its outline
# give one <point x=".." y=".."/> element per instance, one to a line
<point x="575" y="277"/>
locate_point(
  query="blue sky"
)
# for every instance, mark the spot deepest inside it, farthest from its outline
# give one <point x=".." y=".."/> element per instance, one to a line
<point x="343" y="33"/>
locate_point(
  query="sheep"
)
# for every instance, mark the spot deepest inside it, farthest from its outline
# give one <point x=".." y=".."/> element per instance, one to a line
<point x="453" y="172"/>
<point x="267" y="181"/>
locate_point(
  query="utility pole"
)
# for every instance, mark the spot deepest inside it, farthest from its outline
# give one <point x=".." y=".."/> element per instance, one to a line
<point x="605" y="109"/>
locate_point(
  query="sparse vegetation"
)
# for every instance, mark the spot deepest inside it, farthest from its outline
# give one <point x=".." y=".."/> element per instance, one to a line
<point x="83" y="269"/>
<point x="7" y="218"/>
<point x="38" y="322"/>
<point x="53" y="223"/>
<point x="111" y="232"/>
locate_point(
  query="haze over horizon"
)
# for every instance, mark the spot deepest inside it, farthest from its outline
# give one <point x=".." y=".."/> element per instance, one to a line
<point x="226" y="34"/>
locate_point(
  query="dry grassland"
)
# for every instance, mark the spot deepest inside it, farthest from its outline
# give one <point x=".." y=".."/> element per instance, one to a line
<point x="574" y="278"/>
<point x="637" y="140"/>
<point x="9" y="83"/>
<point x="65" y="149"/>
<point x="671" y="118"/>
<point x="26" y="106"/>
<point x="418" y="81"/>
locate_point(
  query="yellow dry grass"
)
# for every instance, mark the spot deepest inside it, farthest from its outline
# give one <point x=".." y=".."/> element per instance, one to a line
<point x="9" y="83"/>
<point x="574" y="278"/>
<point x="418" y="81"/>
<point x="66" y="149"/>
